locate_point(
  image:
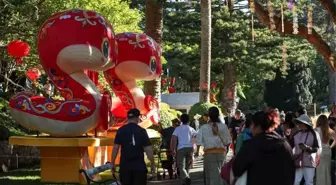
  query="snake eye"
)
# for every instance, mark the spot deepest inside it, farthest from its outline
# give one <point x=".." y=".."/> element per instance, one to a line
<point x="153" y="65"/>
<point x="105" y="48"/>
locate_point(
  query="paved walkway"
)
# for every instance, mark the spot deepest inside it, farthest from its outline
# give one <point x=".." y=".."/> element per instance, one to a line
<point x="196" y="174"/>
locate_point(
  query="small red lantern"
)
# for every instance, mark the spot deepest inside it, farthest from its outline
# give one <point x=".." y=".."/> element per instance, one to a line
<point x="18" y="49"/>
<point x="171" y="90"/>
<point x="163" y="81"/>
<point x="213" y="85"/>
<point x="33" y="74"/>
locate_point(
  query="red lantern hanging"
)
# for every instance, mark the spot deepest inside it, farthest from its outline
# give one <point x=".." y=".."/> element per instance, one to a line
<point x="171" y="90"/>
<point x="163" y="81"/>
<point x="18" y="49"/>
<point x="172" y="80"/>
<point x="33" y="74"/>
<point x="213" y="85"/>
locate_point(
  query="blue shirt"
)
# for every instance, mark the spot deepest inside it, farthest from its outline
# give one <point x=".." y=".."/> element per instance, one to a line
<point x="132" y="139"/>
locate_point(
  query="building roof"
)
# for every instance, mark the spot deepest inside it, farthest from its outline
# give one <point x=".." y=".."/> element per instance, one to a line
<point x="180" y="99"/>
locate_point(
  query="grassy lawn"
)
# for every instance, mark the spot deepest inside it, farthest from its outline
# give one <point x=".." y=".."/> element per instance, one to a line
<point x="21" y="177"/>
<point x="31" y="176"/>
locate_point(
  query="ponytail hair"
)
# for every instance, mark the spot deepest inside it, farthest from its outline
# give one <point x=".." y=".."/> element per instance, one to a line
<point x="214" y="119"/>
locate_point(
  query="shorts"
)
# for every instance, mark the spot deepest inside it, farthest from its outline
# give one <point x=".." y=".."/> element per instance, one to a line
<point x="133" y="178"/>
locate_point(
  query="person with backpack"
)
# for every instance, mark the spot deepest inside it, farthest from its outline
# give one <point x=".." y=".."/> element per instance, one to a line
<point x="133" y="141"/>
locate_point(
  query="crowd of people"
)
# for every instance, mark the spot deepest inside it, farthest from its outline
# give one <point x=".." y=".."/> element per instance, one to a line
<point x="269" y="147"/>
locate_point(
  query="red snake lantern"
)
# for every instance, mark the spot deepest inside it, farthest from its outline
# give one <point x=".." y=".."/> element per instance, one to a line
<point x="69" y="43"/>
<point x="18" y="49"/>
<point x="33" y="74"/>
<point x="139" y="58"/>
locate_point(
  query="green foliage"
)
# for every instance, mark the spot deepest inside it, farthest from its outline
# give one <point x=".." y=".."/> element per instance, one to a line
<point x="167" y="114"/>
<point x="201" y="109"/>
<point x="294" y="90"/>
<point x="320" y="90"/>
<point x="117" y="12"/>
<point x="7" y="125"/>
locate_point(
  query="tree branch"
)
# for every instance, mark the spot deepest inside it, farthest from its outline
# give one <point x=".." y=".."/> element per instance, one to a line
<point x="315" y="39"/>
<point x="15" y="84"/>
<point x="330" y="6"/>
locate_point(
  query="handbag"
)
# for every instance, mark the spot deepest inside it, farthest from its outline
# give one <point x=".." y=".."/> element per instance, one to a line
<point x="242" y="180"/>
<point x="226" y="171"/>
<point x="298" y="158"/>
<point x="227" y="174"/>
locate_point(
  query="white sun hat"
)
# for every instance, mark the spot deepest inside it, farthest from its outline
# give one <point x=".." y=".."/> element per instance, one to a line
<point x="305" y="119"/>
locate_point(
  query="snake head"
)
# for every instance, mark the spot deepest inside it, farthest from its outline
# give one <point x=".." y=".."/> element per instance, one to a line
<point x="139" y="57"/>
<point x="77" y="40"/>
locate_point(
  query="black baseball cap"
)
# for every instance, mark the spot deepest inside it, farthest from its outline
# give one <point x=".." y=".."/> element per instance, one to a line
<point x="133" y="113"/>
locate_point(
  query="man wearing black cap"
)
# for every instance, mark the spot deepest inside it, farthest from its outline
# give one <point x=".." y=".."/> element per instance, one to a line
<point x="134" y="141"/>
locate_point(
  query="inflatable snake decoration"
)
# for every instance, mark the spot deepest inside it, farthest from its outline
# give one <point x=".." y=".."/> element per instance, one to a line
<point x="69" y="43"/>
<point x="139" y="57"/>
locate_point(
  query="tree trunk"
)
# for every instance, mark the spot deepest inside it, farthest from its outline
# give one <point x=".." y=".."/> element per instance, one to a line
<point x="332" y="85"/>
<point x="154" y="25"/>
<point x="229" y="92"/>
<point x="205" y="68"/>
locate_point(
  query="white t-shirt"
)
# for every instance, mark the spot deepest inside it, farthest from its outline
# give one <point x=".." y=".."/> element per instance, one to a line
<point x="184" y="133"/>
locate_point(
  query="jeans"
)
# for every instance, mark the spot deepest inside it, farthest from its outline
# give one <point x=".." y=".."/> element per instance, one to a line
<point x="307" y="173"/>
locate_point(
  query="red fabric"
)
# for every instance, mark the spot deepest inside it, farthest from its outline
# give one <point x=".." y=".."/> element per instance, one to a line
<point x="105" y="111"/>
<point x="70" y="27"/>
<point x="226" y="171"/>
<point x="93" y="75"/>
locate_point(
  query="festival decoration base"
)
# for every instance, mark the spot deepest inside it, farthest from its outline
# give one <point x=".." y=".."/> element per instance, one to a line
<point x="62" y="158"/>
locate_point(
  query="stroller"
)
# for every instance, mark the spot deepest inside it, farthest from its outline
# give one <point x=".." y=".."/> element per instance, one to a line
<point x="168" y="164"/>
